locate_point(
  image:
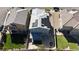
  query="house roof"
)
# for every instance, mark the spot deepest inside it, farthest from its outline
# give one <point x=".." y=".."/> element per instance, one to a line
<point x="21" y="17"/>
<point x="36" y="16"/>
<point x="3" y="12"/>
<point x="76" y="16"/>
<point x="17" y="16"/>
<point x="73" y="21"/>
<point x="70" y="8"/>
<point x="65" y="16"/>
<point x="75" y="30"/>
<point x="10" y="17"/>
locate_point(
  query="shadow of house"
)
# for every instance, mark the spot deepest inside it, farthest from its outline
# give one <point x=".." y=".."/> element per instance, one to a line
<point x="69" y="34"/>
<point x="18" y="37"/>
<point x="75" y="33"/>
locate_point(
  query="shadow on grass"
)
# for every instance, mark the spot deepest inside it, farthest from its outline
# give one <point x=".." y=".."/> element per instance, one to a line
<point x="70" y="38"/>
<point x="18" y="38"/>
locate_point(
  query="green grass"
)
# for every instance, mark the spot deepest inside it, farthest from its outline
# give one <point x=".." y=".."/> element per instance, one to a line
<point x="18" y="46"/>
<point x="10" y="45"/>
<point x="62" y="42"/>
<point x="73" y="46"/>
<point x="41" y="47"/>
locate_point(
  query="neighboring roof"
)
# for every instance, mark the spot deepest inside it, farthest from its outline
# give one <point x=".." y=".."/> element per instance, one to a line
<point x="73" y="21"/>
<point x="21" y="17"/>
<point x="17" y="16"/>
<point x="10" y="17"/>
<point x="70" y="8"/>
<point x="76" y="16"/>
<point x="65" y="16"/>
<point x="77" y="27"/>
<point x="3" y="13"/>
<point x="75" y="30"/>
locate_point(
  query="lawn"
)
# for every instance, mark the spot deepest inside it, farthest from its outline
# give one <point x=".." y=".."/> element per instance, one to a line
<point x="18" y="46"/>
<point x="73" y="46"/>
<point x="41" y="47"/>
<point x="9" y="45"/>
<point x="62" y="42"/>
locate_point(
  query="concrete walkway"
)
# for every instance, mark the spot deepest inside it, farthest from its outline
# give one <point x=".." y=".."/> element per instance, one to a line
<point x="68" y="48"/>
<point x="31" y="46"/>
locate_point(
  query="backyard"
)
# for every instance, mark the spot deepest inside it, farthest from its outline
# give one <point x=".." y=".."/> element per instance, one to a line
<point x="63" y="43"/>
<point x="73" y="46"/>
<point x="9" y="45"/>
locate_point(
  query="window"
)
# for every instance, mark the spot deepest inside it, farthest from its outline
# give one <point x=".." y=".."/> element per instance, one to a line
<point x="35" y="24"/>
